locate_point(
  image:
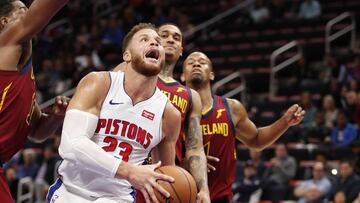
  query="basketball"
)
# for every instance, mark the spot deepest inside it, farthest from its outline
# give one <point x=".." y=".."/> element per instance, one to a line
<point x="182" y="190"/>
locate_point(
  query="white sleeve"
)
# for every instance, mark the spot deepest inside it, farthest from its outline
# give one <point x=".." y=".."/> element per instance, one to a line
<point x="76" y="146"/>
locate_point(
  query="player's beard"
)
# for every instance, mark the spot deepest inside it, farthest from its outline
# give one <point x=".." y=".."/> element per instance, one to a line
<point x="196" y="80"/>
<point x="146" y="69"/>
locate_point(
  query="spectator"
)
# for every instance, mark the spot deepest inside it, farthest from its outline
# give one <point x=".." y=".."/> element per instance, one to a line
<point x="330" y="110"/>
<point x="347" y="182"/>
<point x="282" y="168"/>
<point x="317" y="132"/>
<point x="344" y="132"/>
<point x="29" y="168"/>
<point x="310" y="9"/>
<point x="12" y="180"/>
<point x="307" y="104"/>
<point x="315" y="189"/>
<point x="248" y="184"/>
<point x="329" y="168"/>
<point x="340" y="197"/>
<point x="350" y="105"/>
<point x="255" y="157"/>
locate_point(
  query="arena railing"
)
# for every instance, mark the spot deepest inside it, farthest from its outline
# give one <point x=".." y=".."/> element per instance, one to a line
<point x="241" y="88"/>
<point x="25" y="184"/>
<point x="277" y="67"/>
<point x="335" y="21"/>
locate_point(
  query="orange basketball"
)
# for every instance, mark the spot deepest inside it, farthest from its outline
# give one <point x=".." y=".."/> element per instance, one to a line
<point x="182" y="190"/>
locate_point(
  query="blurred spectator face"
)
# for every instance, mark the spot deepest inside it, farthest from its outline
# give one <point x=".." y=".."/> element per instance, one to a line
<point x="280" y="151"/>
<point x="345" y="169"/>
<point x="28" y="155"/>
<point x="330" y="60"/>
<point x="255" y="155"/>
<point x="11" y="174"/>
<point x="171" y="39"/>
<point x="340" y="197"/>
<point x="351" y="98"/>
<point x="328" y="102"/>
<point x="318" y="171"/>
<point x="341" y="120"/>
<point x="46" y="65"/>
<point x="249" y="170"/>
<point x="48" y="153"/>
<point x="306" y="99"/>
<point x="320" y="158"/>
<point x="353" y="85"/>
<point x="319" y="118"/>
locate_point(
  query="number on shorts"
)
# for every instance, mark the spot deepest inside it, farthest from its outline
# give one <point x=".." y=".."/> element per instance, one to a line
<point x="207" y="148"/>
<point x="125" y="148"/>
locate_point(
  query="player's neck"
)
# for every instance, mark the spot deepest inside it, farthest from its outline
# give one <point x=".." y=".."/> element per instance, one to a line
<point x="138" y="86"/>
<point x="205" y="94"/>
<point x="168" y="70"/>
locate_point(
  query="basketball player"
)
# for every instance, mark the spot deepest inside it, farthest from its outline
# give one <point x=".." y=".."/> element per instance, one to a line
<point x="189" y="147"/>
<point x="225" y="119"/>
<point x="20" y="115"/>
<point x="112" y="123"/>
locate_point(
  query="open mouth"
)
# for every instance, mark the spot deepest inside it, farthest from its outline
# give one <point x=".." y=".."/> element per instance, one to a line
<point x="153" y="55"/>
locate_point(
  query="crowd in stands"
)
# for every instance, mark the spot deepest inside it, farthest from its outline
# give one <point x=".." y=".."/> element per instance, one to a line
<point x="330" y="130"/>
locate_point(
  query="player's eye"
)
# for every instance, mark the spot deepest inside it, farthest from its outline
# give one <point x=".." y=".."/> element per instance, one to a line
<point x="144" y="39"/>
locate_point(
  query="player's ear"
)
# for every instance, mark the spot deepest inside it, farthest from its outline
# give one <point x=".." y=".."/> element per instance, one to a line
<point x="182" y="77"/>
<point x="3" y="22"/>
<point x="127" y="56"/>
<point x="212" y="76"/>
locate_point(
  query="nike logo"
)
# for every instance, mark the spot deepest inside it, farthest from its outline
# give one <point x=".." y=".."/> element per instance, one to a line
<point x="115" y="103"/>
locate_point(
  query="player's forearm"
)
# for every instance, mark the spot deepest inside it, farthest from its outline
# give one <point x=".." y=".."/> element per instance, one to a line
<point x="196" y="165"/>
<point x="45" y="127"/>
<point x="269" y="134"/>
<point x="195" y="156"/>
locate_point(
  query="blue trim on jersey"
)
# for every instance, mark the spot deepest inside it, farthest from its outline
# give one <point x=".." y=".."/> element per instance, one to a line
<point x="133" y="194"/>
<point x="229" y="114"/>
<point x="53" y="189"/>
<point x="27" y="67"/>
<point x="212" y="108"/>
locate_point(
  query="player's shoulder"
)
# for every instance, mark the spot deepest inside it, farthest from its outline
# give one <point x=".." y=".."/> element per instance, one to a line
<point x="234" y="105"/>
<point x="95" y="82"/>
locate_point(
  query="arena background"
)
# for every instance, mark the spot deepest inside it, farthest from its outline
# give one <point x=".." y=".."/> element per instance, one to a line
<point x="267" y="53"/>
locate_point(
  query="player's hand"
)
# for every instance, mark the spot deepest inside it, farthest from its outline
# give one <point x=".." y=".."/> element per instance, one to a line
<point x="211" y="159"/>
<point x="61" y="103"/>
<point x="144" y="179"/>
<point x="294" y="115"/>
<point x="203" y="197"/>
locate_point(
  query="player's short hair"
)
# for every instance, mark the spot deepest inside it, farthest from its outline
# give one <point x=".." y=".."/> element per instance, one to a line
<point x="6" y="7"/>
<point x="133" y="31"/>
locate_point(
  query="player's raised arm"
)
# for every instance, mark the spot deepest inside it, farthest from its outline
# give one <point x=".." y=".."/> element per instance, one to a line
<point x="32" y="21"/>
<point x="165" y="150"/>
<point x="195" y="155"/>
<point x="260" y="138"/>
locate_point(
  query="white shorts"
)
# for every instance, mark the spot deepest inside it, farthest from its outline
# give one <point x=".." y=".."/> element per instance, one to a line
<point x="59" y="194"/>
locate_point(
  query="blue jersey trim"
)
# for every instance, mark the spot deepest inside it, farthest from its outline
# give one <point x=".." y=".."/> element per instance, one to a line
<point x="27" y="67"/>
<point x="229" y="115"/>
<point x="53" y="189"/>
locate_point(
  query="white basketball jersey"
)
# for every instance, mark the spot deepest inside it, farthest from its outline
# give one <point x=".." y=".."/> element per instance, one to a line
<point x="125" y="130"/>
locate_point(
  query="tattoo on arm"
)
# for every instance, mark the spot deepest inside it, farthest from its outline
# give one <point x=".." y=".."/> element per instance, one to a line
<point x="193" y="133"/>
<point x="196" y="162"/>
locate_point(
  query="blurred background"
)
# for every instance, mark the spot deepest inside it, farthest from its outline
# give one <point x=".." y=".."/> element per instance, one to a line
<point x="268" y="54"/>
